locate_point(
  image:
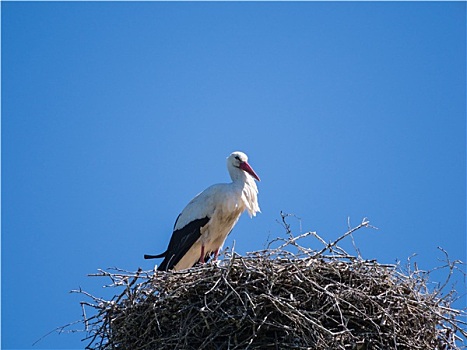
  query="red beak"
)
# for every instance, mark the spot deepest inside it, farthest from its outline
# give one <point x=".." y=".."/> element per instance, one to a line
<point x="246" y="167"/>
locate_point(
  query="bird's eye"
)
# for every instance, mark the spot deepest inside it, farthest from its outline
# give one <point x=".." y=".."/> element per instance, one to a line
<point x="237" y="158"/>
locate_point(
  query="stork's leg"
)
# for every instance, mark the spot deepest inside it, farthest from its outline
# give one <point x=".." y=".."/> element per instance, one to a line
<point x="201" y="259"/>
<point x="216" y="254"/>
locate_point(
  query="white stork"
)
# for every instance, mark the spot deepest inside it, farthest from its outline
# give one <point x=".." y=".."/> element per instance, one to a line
<point x="202" y="227"/>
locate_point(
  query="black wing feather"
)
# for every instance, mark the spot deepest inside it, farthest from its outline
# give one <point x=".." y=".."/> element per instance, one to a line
<point x="180" y="242"/>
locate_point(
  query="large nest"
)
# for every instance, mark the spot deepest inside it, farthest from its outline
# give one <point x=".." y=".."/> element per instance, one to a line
<point x="288" y="297"/>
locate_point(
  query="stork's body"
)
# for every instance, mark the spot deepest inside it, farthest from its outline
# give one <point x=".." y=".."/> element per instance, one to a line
<point x="203" y="226"/>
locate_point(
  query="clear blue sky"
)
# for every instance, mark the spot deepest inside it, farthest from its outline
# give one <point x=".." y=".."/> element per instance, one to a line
<point x="114" y="115"/>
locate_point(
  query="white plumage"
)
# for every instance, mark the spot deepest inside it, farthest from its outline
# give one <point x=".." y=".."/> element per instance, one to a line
<point x="203" y="226"/>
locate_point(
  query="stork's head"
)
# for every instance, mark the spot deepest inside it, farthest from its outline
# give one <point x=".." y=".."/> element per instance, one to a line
<point x="237" y="163"/>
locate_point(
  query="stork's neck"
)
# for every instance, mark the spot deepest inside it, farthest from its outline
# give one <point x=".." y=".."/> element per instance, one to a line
<point x="237" y="175"/>
<point x="247" y="187"/>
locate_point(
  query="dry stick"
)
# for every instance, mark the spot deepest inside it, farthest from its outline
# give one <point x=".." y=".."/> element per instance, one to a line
<point x="365" y="223"/>
<point x="60" y="329"/>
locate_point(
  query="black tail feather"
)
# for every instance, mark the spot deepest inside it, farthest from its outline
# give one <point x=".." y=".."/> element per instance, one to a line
<point x="147" y="256"/>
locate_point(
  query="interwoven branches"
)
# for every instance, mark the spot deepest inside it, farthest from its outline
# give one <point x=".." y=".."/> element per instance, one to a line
<point x="276" y="299"/>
